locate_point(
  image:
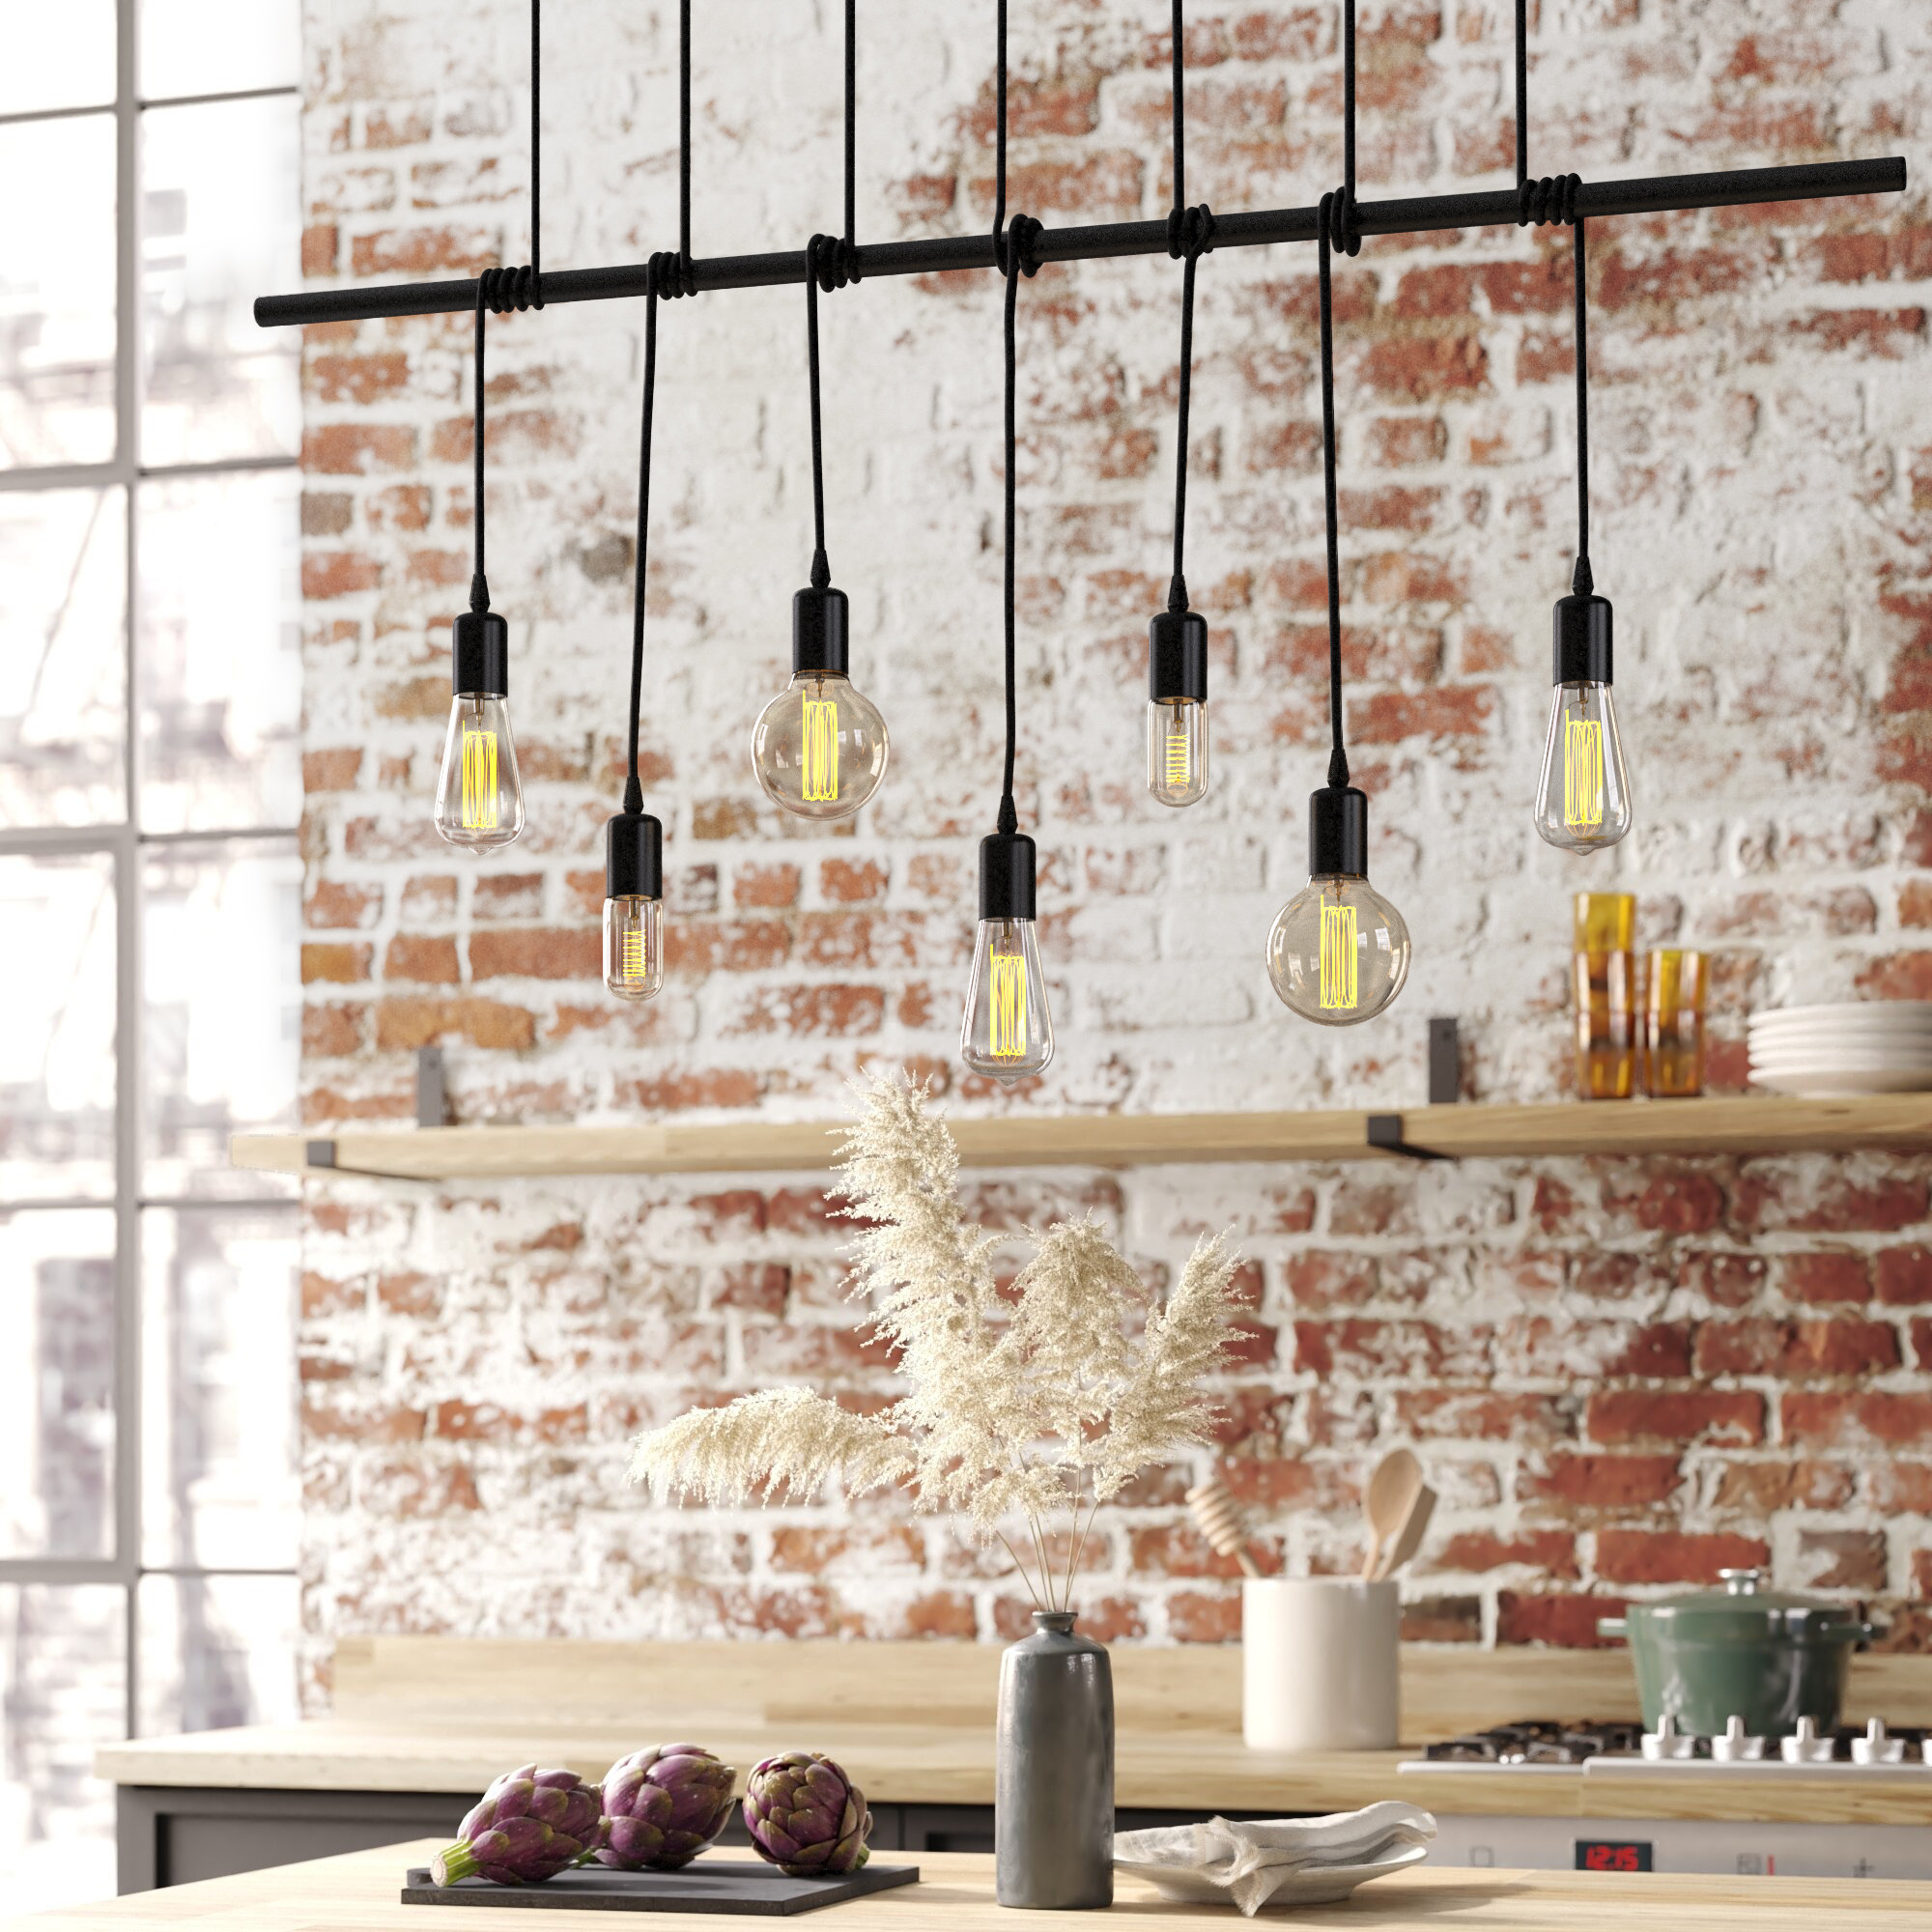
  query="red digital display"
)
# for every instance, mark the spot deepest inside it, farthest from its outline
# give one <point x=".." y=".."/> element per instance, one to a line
<point x="1612" y="1854"/>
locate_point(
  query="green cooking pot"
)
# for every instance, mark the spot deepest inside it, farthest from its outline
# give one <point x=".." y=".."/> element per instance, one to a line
<point x="1740" y="1651"/>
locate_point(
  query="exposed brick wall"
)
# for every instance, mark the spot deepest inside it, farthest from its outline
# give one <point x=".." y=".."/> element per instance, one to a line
<point x="1625" y="1374"/>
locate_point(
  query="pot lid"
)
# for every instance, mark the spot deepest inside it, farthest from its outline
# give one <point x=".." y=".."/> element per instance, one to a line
<point x="1743" y="1604"/>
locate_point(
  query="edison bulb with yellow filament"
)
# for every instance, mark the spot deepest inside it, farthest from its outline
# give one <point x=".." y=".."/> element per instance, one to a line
<point x="1582" y="793"/>
<point x="1178" y="707"/>
<point x="1006" y="1032"/>
<point x="819" y="748"/>
<point x="1337" y="953"/>
<point x="634" y="906"/>
<point x="479" y="796"/>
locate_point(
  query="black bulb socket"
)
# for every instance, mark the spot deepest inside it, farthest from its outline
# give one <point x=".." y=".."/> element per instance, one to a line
<point x="1005" y="875"/>
<point x="479" y="655"/>
<point x="634" y="856"/>
<point x="818" y="632"/>
<point x="1177" y="657"/>
<point x="1338" y="833"/>
<point x="1580" y="641"/>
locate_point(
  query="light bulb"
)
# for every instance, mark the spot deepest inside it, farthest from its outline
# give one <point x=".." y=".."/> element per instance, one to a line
<point x="479" y="797"/>
<point x="1582" y="793"/>
<point x="1007" y="1030"/>
<point x="1176" y="749"/>
<point x="634" y="906"/>
<point x="1178" y="707"/>
<point x="819" y="748"/>
<point x="1338" y="951"/>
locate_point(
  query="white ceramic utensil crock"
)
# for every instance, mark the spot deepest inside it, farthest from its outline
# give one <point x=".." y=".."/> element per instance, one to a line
<point x="1319" y="1663"/>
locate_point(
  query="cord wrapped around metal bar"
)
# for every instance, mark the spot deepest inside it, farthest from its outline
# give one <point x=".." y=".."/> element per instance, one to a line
<point x="1190" y="233"/>
<point x="832" y="262"/>
<point x="1017" y="244"/>
<point x="1548" y="202"/>
<point x="1338" y="211"/>
<point x="504" y="290"/>
<point x="673" y="274"/>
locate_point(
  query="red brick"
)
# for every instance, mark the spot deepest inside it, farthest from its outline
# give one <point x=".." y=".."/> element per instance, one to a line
<point x="333" y="904"/>
<point x="1570" y="1482"/>
<point x="1615" y="1416"/>
<point x="1672" y="1556"/>
<point x="543" y="953"/>
<point x="1831" y="1277"/>
<point x="360" y="379"/>
<point x="343" y="964"/>
<point x="1425" y="367"/>
<point x="509" y="896"/>
<point x="420" y="251"/>
<point x="846" y="881"/>
<point x="1563" y="1622"/>
<point x="427" y="960"/>
<point x="672" y="1092"/>
<point x="338" y="573"/>
<point x="1795" y="1349"/>
<point x="1195" y="1618"/>
<point x="729" y="946"/>
<point x="331" y="771"/>
<point x="1552" y="1551"/>
<point x="351" y="449"/>
<point x="1905" y="1277"/>
<point x="403" y="1024"/>
<point x="1839" y="1203"/>
<point x="1451" y="711"/>
<point x="1852" y="1419"/>
<point x="834" y="1012"/>
<point x="1842" y="1560"/>
<point x="332" y="1033"/>
<point x="320" y="243"/>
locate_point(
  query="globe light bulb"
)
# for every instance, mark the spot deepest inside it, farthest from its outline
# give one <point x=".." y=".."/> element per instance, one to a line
<point x="1007" y="1030"/>
<point x="1582" y="793"/>
<point x="634" y="906"/>
<point x="479" y="796"/>
<point x="1178" y="707"/>
<point x="819" y="748"/>
<point x="1337" y="953"/>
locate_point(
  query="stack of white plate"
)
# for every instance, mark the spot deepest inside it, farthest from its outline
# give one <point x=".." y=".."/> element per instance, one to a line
<point x="1879" y="1047"/>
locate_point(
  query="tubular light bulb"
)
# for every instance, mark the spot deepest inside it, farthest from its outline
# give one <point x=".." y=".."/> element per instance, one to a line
<point x="819" y="748"/>
<point x="1337" y="953"/>
<point x="1178" y="707"/>
<point x="479" y="798"/>
<point x="1007" y="1030"/>
<point x="634" y="906"/>
<point x="1582" y="793"/>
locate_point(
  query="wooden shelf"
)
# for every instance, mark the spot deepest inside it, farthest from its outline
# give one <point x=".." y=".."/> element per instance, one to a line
<point x="1730" y="1124"/>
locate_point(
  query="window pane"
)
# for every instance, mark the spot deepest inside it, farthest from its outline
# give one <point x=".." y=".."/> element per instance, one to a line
<point x="57" y="292"/>
<point x="221" y="635"/>
<point x="217" y="1387"/>
<point x="220" y="952"/>
<point x="220" y="224"/>
<point x="217" y="1651"/>
<point x="63" y="656"/>
<point x="63" y="1693"/>
<point x="60" y="56"/>
<point x="57" y="1384"/>
<point x="57" y="1047"/>
<point x="218" y="47"/>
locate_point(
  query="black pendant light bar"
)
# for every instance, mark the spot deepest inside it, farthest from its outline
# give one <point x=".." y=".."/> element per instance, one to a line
<point x="1655" y="194"/>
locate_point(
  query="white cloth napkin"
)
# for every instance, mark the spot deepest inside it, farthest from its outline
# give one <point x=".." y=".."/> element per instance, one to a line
<point x="1251" y="1861"/>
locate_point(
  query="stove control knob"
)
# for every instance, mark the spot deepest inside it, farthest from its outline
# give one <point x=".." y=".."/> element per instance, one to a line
<point x="1734" y="1747"/>
<point x="1875" y="1747"/>
<point x="1666" y="1741"/>
<point x="1804" y="1745"/>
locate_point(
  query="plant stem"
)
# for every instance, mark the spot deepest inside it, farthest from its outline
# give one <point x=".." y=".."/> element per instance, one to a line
<point x="1045" y="1561"/>
<point x="1018" y="1565"/>
<point x="1080" y="1543"/>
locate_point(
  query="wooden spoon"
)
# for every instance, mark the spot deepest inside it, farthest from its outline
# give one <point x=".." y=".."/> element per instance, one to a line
<point x="1408" y="1540"/>
<point x="1387" y="1501"/>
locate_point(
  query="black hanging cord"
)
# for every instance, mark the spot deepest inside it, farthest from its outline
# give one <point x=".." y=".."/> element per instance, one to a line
<point x="634" y="791"/>
<point x="1193" y="230"/>
<point x="1348" y="106"/>
<point x="851" y="129"/>
<point x="536" y="142"/>
<point x="1016" y="257"/>
<point x="825" y="268"/>
<point x="1522" y="93"/>
<point x="1338" y="758"/>
<point x="683" y="146"/>
<point x="1000" y="145"/>
<point x="1179" y="121"/>
<point x="1581" y="582"/>
<point x="479" y="583"/>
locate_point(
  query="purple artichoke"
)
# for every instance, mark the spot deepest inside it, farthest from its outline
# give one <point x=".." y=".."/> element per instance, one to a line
<point x="666" y="1804"/>
<point x="805" y="1816"/>
<point x="529" y="1825"/>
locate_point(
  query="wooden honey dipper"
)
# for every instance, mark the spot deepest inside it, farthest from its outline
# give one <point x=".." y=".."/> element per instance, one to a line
<point x="1222" y="1521"/>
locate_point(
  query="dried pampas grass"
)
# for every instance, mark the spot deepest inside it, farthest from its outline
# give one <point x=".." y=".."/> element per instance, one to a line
<point x="1037" y="1406"/>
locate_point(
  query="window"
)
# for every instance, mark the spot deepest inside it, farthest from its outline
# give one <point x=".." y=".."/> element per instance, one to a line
<point x="150" y="896"/>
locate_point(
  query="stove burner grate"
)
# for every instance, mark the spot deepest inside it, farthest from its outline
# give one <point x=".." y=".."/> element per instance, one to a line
<point x="1541" y="1741"/>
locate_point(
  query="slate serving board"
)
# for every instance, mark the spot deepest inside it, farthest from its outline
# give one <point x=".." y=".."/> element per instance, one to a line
<point x="710" y="1884"/>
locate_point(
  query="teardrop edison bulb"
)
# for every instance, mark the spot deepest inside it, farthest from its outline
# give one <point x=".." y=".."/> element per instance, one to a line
<point x="1177" y="725"/>
<point x="819" y="748"/>
<point x="1582" y="792"/>
<point x="1337" y="953"/>
<point x="1007" y="1030"/>
<point x="634" y="906"/>
<point x="479" y="797"/>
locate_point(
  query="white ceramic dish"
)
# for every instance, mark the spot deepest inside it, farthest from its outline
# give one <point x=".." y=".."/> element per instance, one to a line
<point x="1844" y="1059"/>
<point x="1894" y="1013"/>
<point x="1828" y="1085"/>
<point x="1321" y="1885"/>
<point x="1840" y="1036"/>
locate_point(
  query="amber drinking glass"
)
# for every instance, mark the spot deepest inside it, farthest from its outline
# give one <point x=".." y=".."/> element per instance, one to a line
<point x="1673" y="1025"/>
<point x="1605" y="969"/>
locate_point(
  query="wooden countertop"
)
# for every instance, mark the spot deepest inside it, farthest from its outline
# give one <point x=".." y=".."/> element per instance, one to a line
<point x="359" y="1893"/>
<point x="913" y="1724"/>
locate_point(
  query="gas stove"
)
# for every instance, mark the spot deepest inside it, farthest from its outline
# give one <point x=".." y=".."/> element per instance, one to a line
<point x="1537" y="1779"/>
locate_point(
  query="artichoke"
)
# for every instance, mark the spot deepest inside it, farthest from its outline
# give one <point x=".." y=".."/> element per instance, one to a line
<point x="529" y="1825"/>
<point x="805" y="1816"/>
<point x="666" y="1804"/>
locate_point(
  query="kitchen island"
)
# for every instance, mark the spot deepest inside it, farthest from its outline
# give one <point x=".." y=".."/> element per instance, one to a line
<point x="359" y="1893"/>
<point x="421" y="1724"/>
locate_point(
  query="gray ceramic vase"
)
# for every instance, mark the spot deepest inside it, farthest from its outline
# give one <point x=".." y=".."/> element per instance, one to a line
<point x="1053" y="1822"/>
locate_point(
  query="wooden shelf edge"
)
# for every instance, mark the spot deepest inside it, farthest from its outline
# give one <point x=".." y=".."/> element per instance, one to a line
<point x="1721" y="1125"/>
